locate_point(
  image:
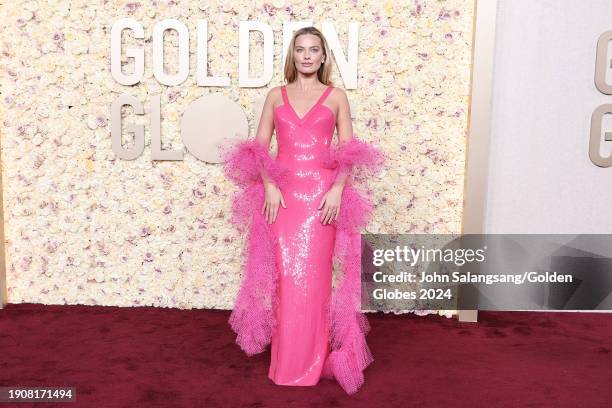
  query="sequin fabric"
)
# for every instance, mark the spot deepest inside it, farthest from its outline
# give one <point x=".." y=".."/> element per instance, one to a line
<point x="286" y="296"/>
<point x="305" y="245"/>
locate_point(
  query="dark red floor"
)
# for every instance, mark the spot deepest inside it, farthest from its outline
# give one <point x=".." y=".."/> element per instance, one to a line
<point x="154" y="357"/>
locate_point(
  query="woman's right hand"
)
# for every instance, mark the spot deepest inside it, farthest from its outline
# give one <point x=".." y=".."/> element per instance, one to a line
<point x="273" y="198"/>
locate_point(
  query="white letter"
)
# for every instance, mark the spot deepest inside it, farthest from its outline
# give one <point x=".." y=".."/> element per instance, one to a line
<point x="137" y="130"/>
<point x="348" y="66"/>
<point x="595" y="142"/>
<point x="158" y="52"/>
<point x="202" y="59"/>
<point x="136" y="53"/>
<point x="156" y="149"/>
<point x="244" y="80"/>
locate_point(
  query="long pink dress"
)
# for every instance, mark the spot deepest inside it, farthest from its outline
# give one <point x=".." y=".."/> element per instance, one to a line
<point x="286" y="297"/>
<point x="304" y="255"/>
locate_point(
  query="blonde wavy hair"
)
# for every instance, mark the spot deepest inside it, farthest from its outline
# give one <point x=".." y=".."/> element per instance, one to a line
<point x="324" y="71"/>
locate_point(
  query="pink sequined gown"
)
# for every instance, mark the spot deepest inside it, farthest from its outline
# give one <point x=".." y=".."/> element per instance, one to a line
<point x="304" y="254"/>
<point x="286" y="297"/>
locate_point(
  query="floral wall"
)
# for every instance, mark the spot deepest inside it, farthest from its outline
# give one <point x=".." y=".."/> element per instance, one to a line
<point x="84" y="227"/>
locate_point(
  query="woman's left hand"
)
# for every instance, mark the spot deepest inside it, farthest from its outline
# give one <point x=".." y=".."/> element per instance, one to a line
<point x="331" y="204"/>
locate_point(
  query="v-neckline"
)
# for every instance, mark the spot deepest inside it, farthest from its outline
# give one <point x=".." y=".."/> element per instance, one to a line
<point x="303" y="119"/>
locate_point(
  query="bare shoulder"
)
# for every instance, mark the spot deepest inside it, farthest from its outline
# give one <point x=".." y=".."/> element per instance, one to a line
<point x="339" y="94"/>
<point x="339" y="97"/>
<point x="274" y="95"/>
<point x="274" y="91"/>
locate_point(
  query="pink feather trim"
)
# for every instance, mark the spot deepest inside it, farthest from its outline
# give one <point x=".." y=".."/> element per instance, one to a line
<point x="253" y="317"/>
<point x="354" y="157"/>
<point x="350" y="354"/>
<point x="245" y="160"/>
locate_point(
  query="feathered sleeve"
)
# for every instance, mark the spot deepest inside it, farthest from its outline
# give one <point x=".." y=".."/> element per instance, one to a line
<point x="244" y="161"/>
<point x="247" y="163"/>
<point x="353" y="158"/>
<point x="350" y="354"/>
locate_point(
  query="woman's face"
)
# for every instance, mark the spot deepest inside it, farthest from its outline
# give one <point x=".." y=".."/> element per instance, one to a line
<point x="308" y="53"/>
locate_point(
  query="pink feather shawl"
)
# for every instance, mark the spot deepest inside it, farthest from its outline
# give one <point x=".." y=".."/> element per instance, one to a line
<point x="252" y="317"/>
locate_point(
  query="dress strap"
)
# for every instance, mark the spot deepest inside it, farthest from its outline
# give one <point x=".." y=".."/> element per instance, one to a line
<point x="285" y="98"/>
<point x="320" y="101"/>
<point x="325" y="93"/>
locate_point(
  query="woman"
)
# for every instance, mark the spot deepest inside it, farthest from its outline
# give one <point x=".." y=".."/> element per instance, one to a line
<point x="301" y="212"/>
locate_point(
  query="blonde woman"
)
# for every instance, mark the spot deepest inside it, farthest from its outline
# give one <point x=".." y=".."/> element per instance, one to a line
<point x="301" y="212"/>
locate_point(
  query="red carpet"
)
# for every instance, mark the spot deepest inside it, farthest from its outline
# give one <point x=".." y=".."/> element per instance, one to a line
<point x="154" y="357"/>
